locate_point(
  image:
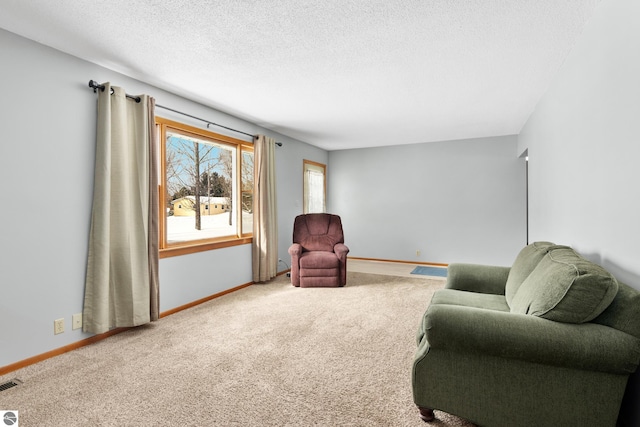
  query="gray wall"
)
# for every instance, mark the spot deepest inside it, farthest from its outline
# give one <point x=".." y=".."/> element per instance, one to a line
<point x="47" y="118"/>
<point x="584" y="144"/>
<point x="454" y="201"/>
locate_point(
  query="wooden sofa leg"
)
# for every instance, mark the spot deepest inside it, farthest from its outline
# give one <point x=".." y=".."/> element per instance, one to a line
<point x="426" y="414"/>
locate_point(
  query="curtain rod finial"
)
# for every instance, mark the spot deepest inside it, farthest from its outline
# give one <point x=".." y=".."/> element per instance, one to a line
<point x="95" y="85"/>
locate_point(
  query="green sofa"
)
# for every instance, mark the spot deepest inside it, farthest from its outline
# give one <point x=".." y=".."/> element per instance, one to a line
<point x="549" y="341"/>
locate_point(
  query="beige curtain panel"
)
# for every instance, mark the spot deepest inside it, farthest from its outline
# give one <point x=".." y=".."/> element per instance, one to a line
<point x="265" y="220"/>
<point x="121" y="286"/>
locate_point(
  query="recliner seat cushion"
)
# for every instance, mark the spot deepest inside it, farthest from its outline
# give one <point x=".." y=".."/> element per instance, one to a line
<point x="565" y="287"/>
<point x="319" y="259"/>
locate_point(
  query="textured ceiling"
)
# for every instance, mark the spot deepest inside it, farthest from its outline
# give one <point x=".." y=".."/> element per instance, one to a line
<point x="336" y="73"/>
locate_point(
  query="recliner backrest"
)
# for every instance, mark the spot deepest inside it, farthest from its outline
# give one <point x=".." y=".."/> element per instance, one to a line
<point x="318" y="231"/>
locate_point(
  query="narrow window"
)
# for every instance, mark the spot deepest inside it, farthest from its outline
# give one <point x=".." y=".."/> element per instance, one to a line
<point x="314" y="183"/>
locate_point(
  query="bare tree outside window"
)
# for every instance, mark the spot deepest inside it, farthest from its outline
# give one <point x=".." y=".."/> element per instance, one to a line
<point x="199" y="176"/>
<point x="247" y="191"/>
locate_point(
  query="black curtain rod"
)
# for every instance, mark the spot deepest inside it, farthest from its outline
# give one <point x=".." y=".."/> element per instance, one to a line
<point x="95" y="86"/>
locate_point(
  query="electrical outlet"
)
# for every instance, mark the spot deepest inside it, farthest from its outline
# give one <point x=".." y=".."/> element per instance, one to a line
<point x="58" y="326"/>
<point x="418" y="252"/>
<point x="76" y="321"/>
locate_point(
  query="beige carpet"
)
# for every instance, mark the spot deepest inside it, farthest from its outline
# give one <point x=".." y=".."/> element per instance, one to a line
<point x="267" y="355"/>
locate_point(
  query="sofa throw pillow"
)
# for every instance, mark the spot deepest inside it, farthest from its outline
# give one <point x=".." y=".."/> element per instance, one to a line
<point x="565" y="287"/>
<point x="525" y="262"/>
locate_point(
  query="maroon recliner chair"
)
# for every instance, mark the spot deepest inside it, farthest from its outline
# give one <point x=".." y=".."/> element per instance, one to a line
<point x="318" y="253"/>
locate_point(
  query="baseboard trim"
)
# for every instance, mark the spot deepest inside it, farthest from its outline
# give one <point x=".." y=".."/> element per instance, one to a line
<point x="95" y="338"/>
<point x="436" y="264"/>
<point x="58" y="351"/>
<point x="202" y="300"/>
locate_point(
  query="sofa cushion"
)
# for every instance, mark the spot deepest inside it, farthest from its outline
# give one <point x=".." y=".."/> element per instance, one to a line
<point x="460" y="298"/>
<point x="565" y="287"/>
<point x="525" y="262"/>
<point x="470" y="299"/>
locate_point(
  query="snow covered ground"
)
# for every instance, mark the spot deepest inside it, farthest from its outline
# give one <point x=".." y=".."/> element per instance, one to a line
<point x="182" y="228"/>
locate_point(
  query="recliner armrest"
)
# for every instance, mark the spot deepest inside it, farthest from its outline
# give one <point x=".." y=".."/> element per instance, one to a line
<point x="587" y="346"/>
<point x="341" y="250"/>
<point x="295" y="249"/>
<point x="486" y="279"/>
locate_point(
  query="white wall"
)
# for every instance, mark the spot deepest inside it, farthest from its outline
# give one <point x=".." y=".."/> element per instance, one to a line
<point x="47" y="119"/>
<point x="454" y="201"/>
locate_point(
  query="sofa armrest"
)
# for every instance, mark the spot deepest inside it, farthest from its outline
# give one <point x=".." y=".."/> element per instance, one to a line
<point x="587" y="346"/>
<point x="486" y="279"/>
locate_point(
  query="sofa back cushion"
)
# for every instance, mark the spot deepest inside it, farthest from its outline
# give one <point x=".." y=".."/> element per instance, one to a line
<point x="565" y="287"/>
<point x="525" y="262"/>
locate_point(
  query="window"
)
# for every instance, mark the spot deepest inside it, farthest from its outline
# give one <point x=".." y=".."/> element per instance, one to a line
<point x="206" y="189"/>
<point x="314" y="184"/>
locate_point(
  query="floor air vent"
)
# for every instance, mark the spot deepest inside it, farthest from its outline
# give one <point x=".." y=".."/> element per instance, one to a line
<point x="10" y="384"/>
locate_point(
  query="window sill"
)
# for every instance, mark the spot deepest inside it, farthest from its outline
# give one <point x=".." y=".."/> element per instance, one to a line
<point x="202" y="247"/>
